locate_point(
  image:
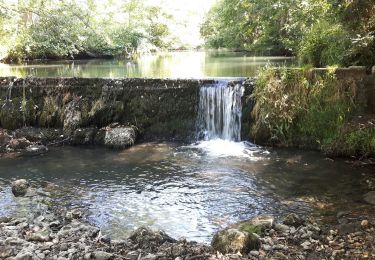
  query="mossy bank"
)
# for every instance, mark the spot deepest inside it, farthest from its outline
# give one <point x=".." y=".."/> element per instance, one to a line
<point x="328" y="109"/>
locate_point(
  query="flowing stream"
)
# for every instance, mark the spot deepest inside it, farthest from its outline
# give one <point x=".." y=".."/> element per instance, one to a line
<point x="186" y="190"/>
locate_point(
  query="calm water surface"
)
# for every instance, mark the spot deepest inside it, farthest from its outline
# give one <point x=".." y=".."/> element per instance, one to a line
<point x="189" y="191"/>
<point x="163" y="65"/>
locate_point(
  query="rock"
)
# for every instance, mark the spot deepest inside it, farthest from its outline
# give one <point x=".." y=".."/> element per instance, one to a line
<point x="101" y="255"/>
<point x="149" y="239"/>
<point x="84" y="136"/>
<point x="293" y="220"/>
<point x="24" y="255"/>
<point x="370" y="197"/>
<point x="233" y="241"/>
<point x="34" y="150"/>
<point x="43" y="135"/>
<point x="282" y="228"/>
<point x="74" y="214"/>
<point x="40" y="236"/>
<point x="254" y="253"/>
<point x="20" y="187"/>
<point x="117" y="137"/>
<point x="4" y="137"/>
<point x="132" y="255"/>
<point x="306" y="245"/>
<point x="364" y="223"/>
<point x="18" y="144"/>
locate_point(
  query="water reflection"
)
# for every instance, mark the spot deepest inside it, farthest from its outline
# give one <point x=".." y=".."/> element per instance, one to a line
<point x="197" y="64"/>
<point x="180" y="189"/>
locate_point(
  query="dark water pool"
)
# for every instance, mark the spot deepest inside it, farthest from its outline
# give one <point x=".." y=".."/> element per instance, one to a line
<point x="187" y="191"/>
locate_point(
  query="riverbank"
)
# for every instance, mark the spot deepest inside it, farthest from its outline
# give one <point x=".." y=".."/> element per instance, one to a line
<point x="331" y="110"/>
<point x="55" y="232"/>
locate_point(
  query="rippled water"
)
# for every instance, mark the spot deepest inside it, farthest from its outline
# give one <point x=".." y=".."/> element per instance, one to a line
<point x="187" y="190"/>
<point x="191" y="64"/>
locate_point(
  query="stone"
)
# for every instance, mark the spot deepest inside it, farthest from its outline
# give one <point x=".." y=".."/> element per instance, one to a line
<point x="364" y="223"/>
<point x="20" y="187"/>
<point x="84" y="136"/>
<point x="233" y="241"/>
<point x="118" y="137"/>
<point x="40" y="236"/>
<point x="18" y="144"/>
<point x="101" y="255"/>
<point x="306" y="245"/>
<point x="294" y="220"/>
<point x="370" y="197"/>
<point x="282" y="228"/>
<point x="74" y="214"/>
<point x="35" y="149"/>
<point x="149" y="239"/>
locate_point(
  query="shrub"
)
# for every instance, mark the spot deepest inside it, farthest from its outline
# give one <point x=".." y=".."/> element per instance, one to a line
<point x="325" y="44"/>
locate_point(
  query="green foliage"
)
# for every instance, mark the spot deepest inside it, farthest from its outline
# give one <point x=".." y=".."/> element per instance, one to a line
<point x="325" y="44"/>
<point x="69" y="29"/>
<point x="293" y="106"/>
<point x="320" y="32"/>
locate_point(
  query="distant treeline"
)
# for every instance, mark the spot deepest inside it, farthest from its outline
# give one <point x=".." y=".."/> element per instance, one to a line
<point x="47" y="29"/>
<point x="319" y="32"/>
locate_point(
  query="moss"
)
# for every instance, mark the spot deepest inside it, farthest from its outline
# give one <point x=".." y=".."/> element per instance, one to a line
<point x="250" y="228"/>
<point x="16" y="113"/>
<point x="51" y="113"/>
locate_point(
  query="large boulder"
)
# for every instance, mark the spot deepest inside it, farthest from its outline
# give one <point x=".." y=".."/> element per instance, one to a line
<point x="20" y="187"/>
<point x="232" y="240"/>
<point x="116" y="136"/>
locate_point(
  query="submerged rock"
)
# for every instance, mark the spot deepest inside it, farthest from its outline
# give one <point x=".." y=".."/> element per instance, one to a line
<point x="35" y="150"/>
<point x="20" y="187"/>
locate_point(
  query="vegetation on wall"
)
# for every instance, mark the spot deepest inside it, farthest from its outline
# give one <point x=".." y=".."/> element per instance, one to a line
<point x="295" y="107"/>
<point x="319" y="32"/>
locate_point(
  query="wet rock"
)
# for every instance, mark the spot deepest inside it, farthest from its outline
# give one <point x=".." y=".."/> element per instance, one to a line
<point x="233" y="241"/>
<point x="43" y="135"/>
<point x="34" y="150"/>
<point x="370" y="197"/>
<point x="116" y="136"/>
<point x="147" y="238"/>
<point x="4" y="137"/>
<point x="293" y="220"/>
<point x="74" y="214"/>
<point x="101" y="255"/>
<point x="20" y="187"/>
<point x="364" y="223"/>
<point x="18" y="144"/>
<point x="84" y="136"/>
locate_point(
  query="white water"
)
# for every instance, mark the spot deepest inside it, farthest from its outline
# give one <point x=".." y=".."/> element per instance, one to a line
<point x="220" y="112"/>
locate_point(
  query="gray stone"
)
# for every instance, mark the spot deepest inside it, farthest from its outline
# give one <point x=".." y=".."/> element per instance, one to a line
<point x="35" y="149"/>
<point x="20" y="187"/>
<point x="293" y="220"/>
<point x="370" y="197"/>
<point x="101" y="255"/>
<point x="118" y="137"/>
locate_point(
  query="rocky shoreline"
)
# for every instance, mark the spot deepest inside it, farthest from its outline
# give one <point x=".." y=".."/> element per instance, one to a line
<point x="56" y="232"/>
<point x="30" y="141"/>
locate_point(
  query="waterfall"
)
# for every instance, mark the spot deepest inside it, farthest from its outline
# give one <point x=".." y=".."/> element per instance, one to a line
<point x="220" y="111"/>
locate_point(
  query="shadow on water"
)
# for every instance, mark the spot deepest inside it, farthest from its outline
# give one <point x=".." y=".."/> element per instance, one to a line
<point x="184" y="190"/>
